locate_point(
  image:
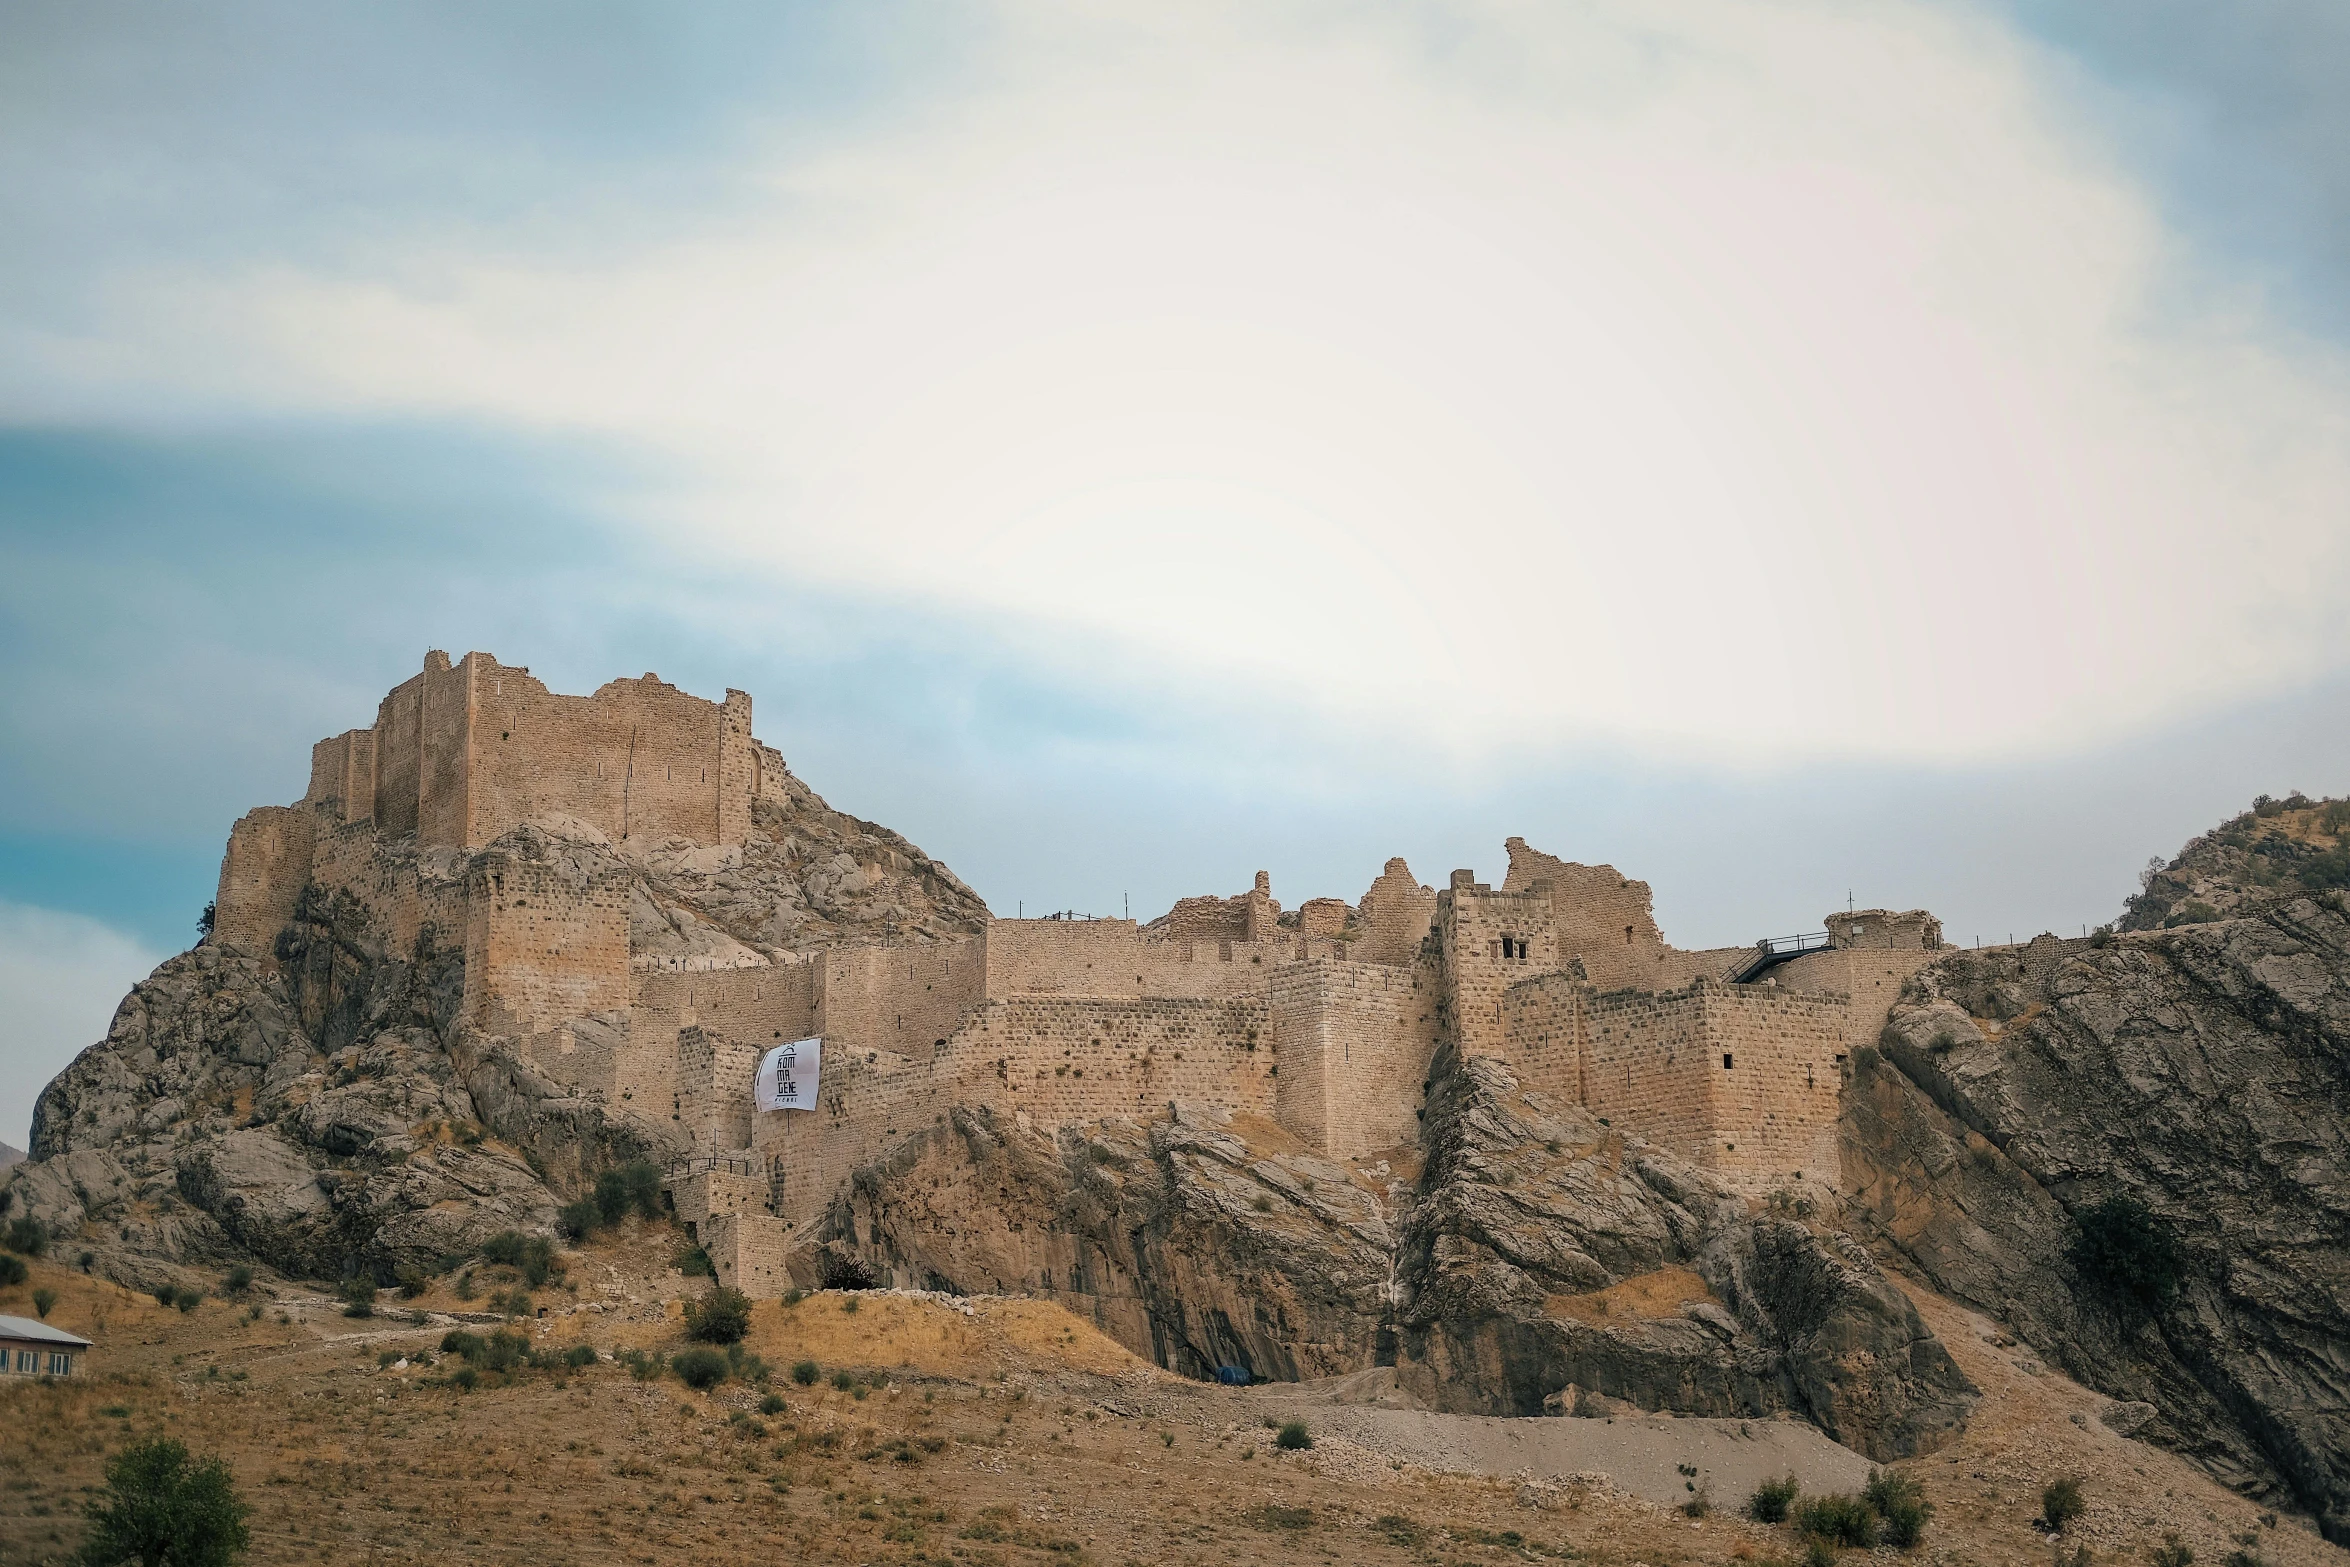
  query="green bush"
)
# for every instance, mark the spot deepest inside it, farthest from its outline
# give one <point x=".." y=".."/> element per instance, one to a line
<point x="533" y="1254"/>
<point x="2128" y="1251"/>
<point x="12" y="1270"/>
<point x="237" y="1280"/>
<point x="1839" y="1519"/>
<point x="792" y="1297"/>
<point x="1293" y="1437"/>
<point x="28" y="1235"/>
<point x="642" y="1366"/>
<point x="772" y="1404"/>
<point x="579" y="1356"/>
<point x="694" y="1263"/>
<point x="2173" y="1552"/>
<point x="721" y="1317"/>
<point x="1901" y="1502"/>
<point x="189" y="1299"/>
<point x="2061" y="1503"/>
<point x="166" y="1294"/>
<point x="358" y="1296"/>
<point x="465" y="1378"/>
<point x="1819" y="1551"/>
<point x="699" y="1368"/>
<point x="806" y="1372"/>
<point x="636" y="1185"/>
<point x="462" y="1343"/>
<point x="579" y="1219"/>
<point x="161" y="1506"/>
<point x="844" y="1380"/>
<point x="43" y="1299"/>
<point x="1771" y="1499"/>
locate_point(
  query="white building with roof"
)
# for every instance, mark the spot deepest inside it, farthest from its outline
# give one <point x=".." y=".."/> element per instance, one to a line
<point x="35" y="1349"/>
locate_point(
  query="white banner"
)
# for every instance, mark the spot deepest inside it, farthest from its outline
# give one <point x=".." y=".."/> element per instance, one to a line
<point x="787" y="1076"/>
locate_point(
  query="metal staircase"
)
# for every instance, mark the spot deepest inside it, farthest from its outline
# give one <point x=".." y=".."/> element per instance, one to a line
<point x="1772" y="951"/>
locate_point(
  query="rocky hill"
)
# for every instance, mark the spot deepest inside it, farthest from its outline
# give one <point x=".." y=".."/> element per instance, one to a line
<point x="2279" y="846"/>
<point x="2135" y="1150"/>
<point x="332" y="1118"/>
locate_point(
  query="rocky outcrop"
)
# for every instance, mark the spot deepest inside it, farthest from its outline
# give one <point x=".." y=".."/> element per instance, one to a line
<point x="211" y="1125"/>
<point x="1543" y="1261"/>
<point x="2277" y="848"/>
<point x="2202" y="1072"/>
<point x="1202" y="1241"/>
<point x="1552" y="1261"/>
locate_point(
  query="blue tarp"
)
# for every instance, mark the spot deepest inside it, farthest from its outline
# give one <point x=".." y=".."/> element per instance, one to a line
<point x="1233" y="1376"/>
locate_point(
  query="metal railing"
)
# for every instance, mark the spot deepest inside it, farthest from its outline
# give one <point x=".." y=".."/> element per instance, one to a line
<point x="1771" y="951"/>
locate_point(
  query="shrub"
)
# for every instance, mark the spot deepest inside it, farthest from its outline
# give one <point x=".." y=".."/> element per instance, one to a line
<point x="189" y="1299"/>
<point x="511" y="1303"/>
<point x="2173" y="1552"/>
<point x="849" y="1305"/>
<point x="1771" y="1499"/>
<point x="359" y="1296"/>
<point x="1293" y="1437"/>
<point x="579" y="1356"/>
<point x="1819" y="1551"/>
<point x="237" y="1280"/>
<point x="464" y="1285"/>
<point x="28" y="1235"/>
<point x="579" y="1219"/>
<point x="413" y="1280"/>
<point x="1261" y="1204"/>
<point x="793" y="1297"/>
<point x="772" y="1404"/>
<point x="460" y="1342"/>
<point x="694" y="1263"/>
<point x="503" y="1351"/>
<point x="2061" y="1503"/>
<point x="1839" y="1519"/>
<point x="43" y="1299"/>
<point x="634" y="1185"/>
<point x="1901" y="1502"/>
<point x="166" y="1294"/>
<point x="721" y="1317"/>
<point x="465" y="1378"/>
<point x="2128" y="1251"/>
<point x="12" y="1269"/>
<point x="844" y="1380"/>
<point x="642" y="1366"/>
<point x="701" y="1369"/>
<point x="805" y="1373"/>
<point x="161" y="1506"/>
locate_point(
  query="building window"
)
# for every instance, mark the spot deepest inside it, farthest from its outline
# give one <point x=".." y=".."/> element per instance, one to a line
<point x="1627" y="935"/>
<point x="59" y="1363"/>
<point x="1726" y="1062"/>
<point x="24" y="1361"/>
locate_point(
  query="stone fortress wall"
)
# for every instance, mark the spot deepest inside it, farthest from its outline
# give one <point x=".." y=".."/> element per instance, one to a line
<point x="1326" y="1020"/>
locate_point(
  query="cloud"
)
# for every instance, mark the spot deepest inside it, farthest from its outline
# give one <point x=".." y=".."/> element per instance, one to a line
<point x="61" y="977"/>
<point x="1697" y="379"/>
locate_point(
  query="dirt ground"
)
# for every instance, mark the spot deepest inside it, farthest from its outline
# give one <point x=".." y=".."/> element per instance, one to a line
<point x="987" y="1433"/>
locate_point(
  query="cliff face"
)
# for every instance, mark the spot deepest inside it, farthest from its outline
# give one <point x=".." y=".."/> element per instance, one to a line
<point x="1541" y="1260"/>
<point x="2203" y="1074"/>
<point x="333" y="1116"/>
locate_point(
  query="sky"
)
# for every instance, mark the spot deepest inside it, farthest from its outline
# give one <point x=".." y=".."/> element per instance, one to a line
<point x="1794" y="452"/>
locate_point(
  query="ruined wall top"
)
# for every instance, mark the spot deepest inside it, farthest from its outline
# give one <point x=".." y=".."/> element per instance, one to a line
<point x="460" y="753"/>
<point x="1910" y="929"/>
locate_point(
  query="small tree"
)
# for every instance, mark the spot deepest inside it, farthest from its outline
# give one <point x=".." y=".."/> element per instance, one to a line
<point x="359" y="1296"/>
<point x="28" y="1235"/>
<point x="701" y="1369"/>
<point x="161" y="1508"/>
<point x="721" y="1317"/>
<point x="1771" y="1499"/>
<point x="1901" y="1502"/>
<point x="2061" y="1503"/>
<point x="43" y="1299"/>
<point x="206" y="920"/>
<point x="805" y="1372"/>
<point x="2129" y="1251"/>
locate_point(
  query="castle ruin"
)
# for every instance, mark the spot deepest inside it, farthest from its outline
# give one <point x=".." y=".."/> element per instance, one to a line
<point x="1324" y="1020"/>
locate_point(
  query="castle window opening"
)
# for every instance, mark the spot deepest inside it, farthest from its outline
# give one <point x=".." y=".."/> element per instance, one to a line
<point x="1627" y="935"/>
<point x="1726" y="1061"/>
